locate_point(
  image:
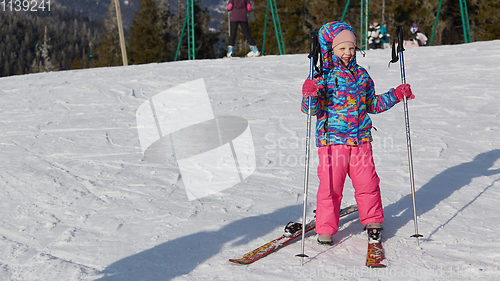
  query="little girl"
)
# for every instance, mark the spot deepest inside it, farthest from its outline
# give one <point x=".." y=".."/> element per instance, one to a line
<point x="342" y="97"/>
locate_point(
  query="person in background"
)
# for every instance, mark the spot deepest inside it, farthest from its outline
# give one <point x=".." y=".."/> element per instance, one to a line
<point x="239" y="10"/>
<point x="374" y="36"/>
<point x="418" y="37"/>
<point x="386" y="36"/>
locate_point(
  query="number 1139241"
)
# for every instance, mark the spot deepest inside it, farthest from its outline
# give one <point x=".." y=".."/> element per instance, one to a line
<point x="25" y="5"/>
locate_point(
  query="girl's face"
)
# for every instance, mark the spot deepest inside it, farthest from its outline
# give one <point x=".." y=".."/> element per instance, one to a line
<point x="345" y="52"/>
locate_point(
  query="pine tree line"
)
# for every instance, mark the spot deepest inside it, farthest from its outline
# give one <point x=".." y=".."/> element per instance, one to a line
<point x="299" y="17"/>
<point x="155" y="34"/>
<point x="60" y="40"/>
<point x="42" y="41"/>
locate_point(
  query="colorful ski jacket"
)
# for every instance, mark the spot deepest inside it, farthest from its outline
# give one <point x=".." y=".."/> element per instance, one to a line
<point x="345" y="97"/>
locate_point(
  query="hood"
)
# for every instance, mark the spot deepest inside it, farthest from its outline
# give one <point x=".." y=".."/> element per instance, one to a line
<point x="326" y="34"/>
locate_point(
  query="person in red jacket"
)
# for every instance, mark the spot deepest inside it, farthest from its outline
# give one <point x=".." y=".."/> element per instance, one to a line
<point x="239" y="9"/>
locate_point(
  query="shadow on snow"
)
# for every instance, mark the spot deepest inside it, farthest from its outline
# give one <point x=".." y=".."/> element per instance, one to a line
<point x="182" y="255"/>
<point x="438" y="189"/>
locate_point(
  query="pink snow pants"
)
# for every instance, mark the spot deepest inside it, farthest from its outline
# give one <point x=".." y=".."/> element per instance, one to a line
<point x="335" y="162"/>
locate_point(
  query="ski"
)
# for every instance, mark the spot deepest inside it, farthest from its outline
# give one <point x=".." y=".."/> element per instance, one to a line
<point x="277" y="243"/>
<point x="237" y="58"/>
<point x="375" y="256"/>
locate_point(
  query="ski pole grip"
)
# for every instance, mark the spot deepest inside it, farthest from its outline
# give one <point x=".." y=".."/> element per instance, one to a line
<point x="313" y="43"/>
<point x="313" y="51"/>
<point x="399" y="37"/>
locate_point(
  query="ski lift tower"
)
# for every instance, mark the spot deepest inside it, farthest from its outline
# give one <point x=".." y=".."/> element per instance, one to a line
<point x="465" y="21"/>
<point x="363" y="38"/>
<point x="271" y="5"/>
<point x="363" y="44"/>
<point x="189" y="22"/>
<point x="363" y="34"/>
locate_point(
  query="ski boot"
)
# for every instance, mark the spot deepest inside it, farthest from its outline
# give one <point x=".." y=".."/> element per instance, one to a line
<point x="229" y="52"/>
<point x="374" y="231"/>
<point x="325" y="240"/>
<point x="254" y="52"/>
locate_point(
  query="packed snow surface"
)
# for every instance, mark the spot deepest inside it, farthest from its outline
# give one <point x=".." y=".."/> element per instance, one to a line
<point x="80" y="202"/>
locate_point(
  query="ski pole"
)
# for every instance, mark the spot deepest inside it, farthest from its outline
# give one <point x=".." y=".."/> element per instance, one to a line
<point x="313" y="38"/>
<point x="399" y="36"/>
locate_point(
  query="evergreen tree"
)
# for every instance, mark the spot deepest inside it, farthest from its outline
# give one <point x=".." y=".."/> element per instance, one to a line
<point x="294" y="28"/>
<point x="486" y="22"/>
<point x="295" y="20"/>
<point x="36" y="65"/>
<point x="324" y="11"/>
<point x="449" y="29"/>
<point x="147" y="34"/>
<point x="41" y="41"/>
<point x="109" y="51"/>
<point x="59" y="39"/>
<point x="47" y="63"/>
<point x="205" y="39"/>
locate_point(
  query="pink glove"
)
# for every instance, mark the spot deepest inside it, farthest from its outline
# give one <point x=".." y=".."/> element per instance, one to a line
<point x="310" y="88"/>
<point x="402" y="91"/>
<point x="249" y="6"/>
<point x="229" y="6"/>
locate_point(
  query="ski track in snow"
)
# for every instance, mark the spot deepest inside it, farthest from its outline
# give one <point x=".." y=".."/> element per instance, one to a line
<point x="79" y="202"/>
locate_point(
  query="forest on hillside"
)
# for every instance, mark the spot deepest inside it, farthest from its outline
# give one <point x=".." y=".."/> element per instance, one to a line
<point x="297" y="18"/>
<point x="61" y="39"/>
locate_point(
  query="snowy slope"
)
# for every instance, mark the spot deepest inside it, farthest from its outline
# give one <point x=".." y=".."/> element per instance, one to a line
<point x="79" y="202"/>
